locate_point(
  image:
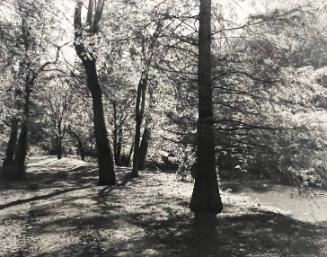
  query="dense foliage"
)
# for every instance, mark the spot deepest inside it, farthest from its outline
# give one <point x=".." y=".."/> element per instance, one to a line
<point x="269" y="83"/>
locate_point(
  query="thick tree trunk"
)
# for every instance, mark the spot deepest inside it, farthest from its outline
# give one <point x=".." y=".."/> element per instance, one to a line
<point x="21" y="151"/>
<point x="104" y="154"/>
<point x="139" y="113"/>
<point x="205" y="202"/>
<point x="22" y="145"/>
<point x="11" y="146"/>
<point x="144" y="147"/>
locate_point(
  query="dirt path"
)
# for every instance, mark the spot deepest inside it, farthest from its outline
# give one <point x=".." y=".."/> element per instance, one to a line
<point x="63" y="214"/>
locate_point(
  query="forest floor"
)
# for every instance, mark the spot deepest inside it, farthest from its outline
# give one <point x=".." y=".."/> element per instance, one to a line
<point x="59" y="211"/>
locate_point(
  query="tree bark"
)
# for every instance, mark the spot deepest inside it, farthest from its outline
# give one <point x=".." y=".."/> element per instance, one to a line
<point x="130" y="154"/>
<point x="81" y="150"/>
<point x="115" y="132"/>
<point x="104" y="155"/>
<point x="22" y="144"/>
<point x="205" y="201"/>
<point x="59" y="147"/>
<point x="11" y="146"/>
<point x="60" y="134"/>
<point x="119" y="145"/>
<point x="139" y="113"/>
<point x="144" y="146"/>
<point x="117" y="135"/>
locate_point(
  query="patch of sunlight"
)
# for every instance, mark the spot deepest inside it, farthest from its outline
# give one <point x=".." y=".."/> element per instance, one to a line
<point x="124" y="232"/>
<point x="54" y="241"/>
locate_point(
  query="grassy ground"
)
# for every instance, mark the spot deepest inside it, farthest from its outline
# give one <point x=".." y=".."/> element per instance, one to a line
<point x="58" y="211"/>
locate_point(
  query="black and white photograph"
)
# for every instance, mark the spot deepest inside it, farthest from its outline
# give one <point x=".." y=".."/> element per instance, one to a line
<point x="163" y="128"/>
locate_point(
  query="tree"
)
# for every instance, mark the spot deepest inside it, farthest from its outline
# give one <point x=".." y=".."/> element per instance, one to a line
<point x="14" y="163"/>
<point x="29" y="47"/>
<point x="143" y="149"/>
<point x="141" y="93"/>
<point x="27" y="75"/>
<point x="14" y="127"/>
<point x="261" y="88"/>
<point x="59" y="98"/>
<point x="205" y="202"/>
<point x="147" y="132"/>
<point x="78" y="141"/>
<point x="85" y="38"/>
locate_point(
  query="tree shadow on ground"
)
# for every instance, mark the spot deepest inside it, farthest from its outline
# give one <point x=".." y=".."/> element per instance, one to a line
<point x="39" y="197"/>
<point x="257" y="233"/>
<point x="102" y="222"/>
<point x="54" y="179"/>
<point x="253" y="234"/>
<point x="240" y="232"/>
<point x="58" y="182"/>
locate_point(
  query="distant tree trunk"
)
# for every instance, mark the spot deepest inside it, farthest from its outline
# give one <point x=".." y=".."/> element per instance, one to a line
<point x="59" y="147"/>
<point x="22" y="145"/>
<point x="141" y="95"/>
<point x="119" y="144"/>
<point x="11" y="146"/>
<point x="117" y="135"/>
<point x="60" y="131"/>
<point x="130" y="154"/>
<point x="144" y="146"/>
<point x="139" y="113"/>
<point x="81" y="150"/>
<point x="146" y="137"/>
<point x="59" y="140"/>
<point x="104" y="154"/>
<point x="79" y="144"/>
<point x="205" y="202"/>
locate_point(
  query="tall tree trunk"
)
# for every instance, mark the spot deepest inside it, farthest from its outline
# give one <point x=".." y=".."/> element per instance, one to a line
<point x="144" y="146"/>
<point x="119" y="145"/>
<point x="81" y="150"/>
<point x="104" y="155"/>
<point x="80" y="147"/>
<point x="141" y="95"/>
<point x="59" y="147"/>
<point x="60" y="136"/>
<point x="22" y="145"/>
<point x="11" y="146"/>
<point x="130" y="154"/>
<point x="205" y="201"/>
<point x="117" y="135"/>
<point x="139" y="113"/>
